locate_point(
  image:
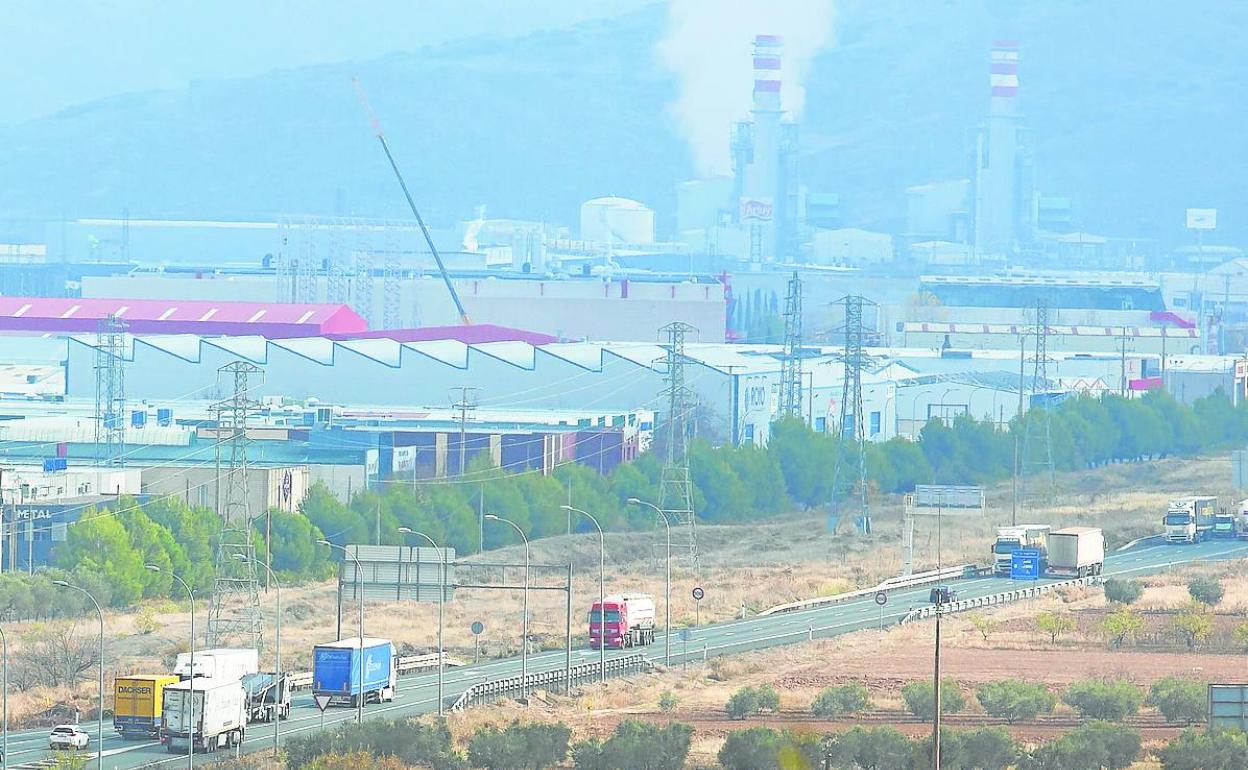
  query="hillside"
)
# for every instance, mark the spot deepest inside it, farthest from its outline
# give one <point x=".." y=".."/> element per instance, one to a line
<point x="1133" y="109"/>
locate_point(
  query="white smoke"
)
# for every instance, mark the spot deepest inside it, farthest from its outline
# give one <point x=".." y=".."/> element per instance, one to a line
<point x="709" y="45"/>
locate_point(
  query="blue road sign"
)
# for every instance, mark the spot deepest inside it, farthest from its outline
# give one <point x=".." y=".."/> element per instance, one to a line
<point x="1025" y="564"/>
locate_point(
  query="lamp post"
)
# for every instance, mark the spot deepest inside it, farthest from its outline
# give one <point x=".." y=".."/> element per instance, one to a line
<point x="4" y="693"/>
<point x="667" y="584"/>
<point x="190" y="730"/>
<point x="602" y="592"/>
<point x="277" y="679"/>
<point x="99" y="725"/>
<point x="359" y="588"/>
<point x="441" y="602"/>
<point x="524" y="646"/>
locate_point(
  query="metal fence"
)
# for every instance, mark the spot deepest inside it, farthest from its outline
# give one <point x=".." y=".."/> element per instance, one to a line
<point x="961" y="605"/>
<point x="484" y="692"/>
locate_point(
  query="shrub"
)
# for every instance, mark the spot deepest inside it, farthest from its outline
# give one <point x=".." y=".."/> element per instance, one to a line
<point x="1014" y="700"/>
<point x="145" y="622"/>
<point x="533" y="746"/>
<point x="985" y="625"/>
<point x="840" y="701"/>
<point x="1112" y="701"/>
<point x="757" y="748"/>
<point x="667" y="702"/>
<point x="881" y="748"/>
<point x="750" y="700"/>
<point x="920" y="698"/>
<point x="1205" y="589"/>
<point x="413" y="743"/>
<point x="989" y="748"/>
<point x="1123" y="591"/>
<point x="1179" y="700"/>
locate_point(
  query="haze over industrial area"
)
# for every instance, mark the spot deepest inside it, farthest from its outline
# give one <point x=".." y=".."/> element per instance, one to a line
<point x="611" y="385"/>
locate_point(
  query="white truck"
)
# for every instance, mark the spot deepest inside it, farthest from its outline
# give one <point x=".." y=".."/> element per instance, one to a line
<point x="1013" y="538"/>
<point x="220" y="663"/>
<point x="210" y="713"/>
<point x="1076" y="552"/>
<point x="1189" y="519"/>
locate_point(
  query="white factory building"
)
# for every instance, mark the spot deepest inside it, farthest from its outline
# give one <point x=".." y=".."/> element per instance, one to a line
<point x="735" y="387"/>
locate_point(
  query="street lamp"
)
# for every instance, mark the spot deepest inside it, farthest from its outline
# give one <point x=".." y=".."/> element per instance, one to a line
<point x="667" y="586"/>
<point x="441" y="601"/>
<point x="359" y="587"/>
<point x="190" y="730"/>
<point x="99" y="725"/>
<point x="278" y="685"/>
<point x="602" y="597"/>
<point x="4" y="693"/>
<point x="524" y="646"/>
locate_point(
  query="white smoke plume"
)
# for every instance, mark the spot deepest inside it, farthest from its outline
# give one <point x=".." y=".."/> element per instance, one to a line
<point x="708" y="46"/>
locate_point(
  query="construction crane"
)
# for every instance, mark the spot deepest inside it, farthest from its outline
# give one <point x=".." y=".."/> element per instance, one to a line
<point x="381" y="137"/>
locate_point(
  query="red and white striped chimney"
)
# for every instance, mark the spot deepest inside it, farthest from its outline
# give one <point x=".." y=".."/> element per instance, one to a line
<point x="1003" y="69"/>
<point x="767" y="58"/>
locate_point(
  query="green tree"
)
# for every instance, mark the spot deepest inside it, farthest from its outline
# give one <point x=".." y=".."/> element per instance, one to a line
<point x="1054" y="624"/>
<point x="1015" y="700"/>
<point x="1179" y="700"/>
<point x="1093" y="746"/>
<point x="752" y="700"/>
<point x="99" y="544"/>
<point x="985" y="625"/>
<point x="1205" y="589"/>
<point x="339" y="523"/>
<point x="293" y="547"/>
<point x="1122" y="624"/>
<point x="757" y="748"/>
<point x="636" y="745"/>
<point x="836" y="702"/>
<point x="1194" y="624"/>
<point x="1241" y="634"/>
<point x="155" y="545"/>
<point x="667" y="702"/>
<point x="988" y="748"/>
<point x="920" y="698"/>
<point x="195" y="529"/>
<point x="1194" y="750"/>
<point x="1104" y="700"/>
<point x="882" y="748"/>
<point x="1123" y="591"/>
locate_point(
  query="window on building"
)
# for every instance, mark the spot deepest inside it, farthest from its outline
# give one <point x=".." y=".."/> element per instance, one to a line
<point x="847" y="427"/>
<point x="875" y="423"/>
<point x="821" y="424"/>
<point x="749" y="433"/>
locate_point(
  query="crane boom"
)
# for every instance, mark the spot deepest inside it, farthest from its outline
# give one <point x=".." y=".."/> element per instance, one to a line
<point x="385" y="146"/>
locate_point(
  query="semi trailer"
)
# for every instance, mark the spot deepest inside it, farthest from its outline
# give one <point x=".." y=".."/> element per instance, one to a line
<point x="1190" y="519"/>
<point x="1014" y="538"/>
<point x="1076" y="552"/>
<point x="138" y="702"/>
<point x="622" y="620"/>
<point x="208" y="713"/>
<point x="220" y="663"/>
<point x="336" y="670"/>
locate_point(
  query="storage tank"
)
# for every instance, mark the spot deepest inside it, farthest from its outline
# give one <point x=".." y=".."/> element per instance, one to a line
<point x="616" y="220"/>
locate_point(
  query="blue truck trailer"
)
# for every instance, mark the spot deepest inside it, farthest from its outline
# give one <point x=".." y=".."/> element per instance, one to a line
<point x="336" y="670"/>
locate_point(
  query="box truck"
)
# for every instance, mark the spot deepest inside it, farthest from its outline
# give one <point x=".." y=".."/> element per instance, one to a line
<point x="336" y="670"/>
<point x="1076" y="552"/>
<point x="1189" y="519"/>
<point x="220" y="663"/>
<point x="137" y="702"/>
<point x="210" y="713"/>
<point x="623" y="620"/>
<point x="1013" y="538"/>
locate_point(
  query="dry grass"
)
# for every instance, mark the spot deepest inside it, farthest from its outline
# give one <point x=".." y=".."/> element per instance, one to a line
<point x="783" y="559"/>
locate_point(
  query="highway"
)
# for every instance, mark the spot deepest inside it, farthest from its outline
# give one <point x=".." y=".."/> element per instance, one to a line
<point x="418" y="694"/>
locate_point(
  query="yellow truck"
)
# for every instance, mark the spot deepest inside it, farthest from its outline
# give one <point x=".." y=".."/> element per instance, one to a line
<point x="137" y="703"/>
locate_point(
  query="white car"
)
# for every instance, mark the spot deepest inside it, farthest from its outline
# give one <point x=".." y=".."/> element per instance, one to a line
<point x="68" y="737"/>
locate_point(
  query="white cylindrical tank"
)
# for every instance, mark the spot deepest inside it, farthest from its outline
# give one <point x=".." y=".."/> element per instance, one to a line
<point x="616" y="220"/>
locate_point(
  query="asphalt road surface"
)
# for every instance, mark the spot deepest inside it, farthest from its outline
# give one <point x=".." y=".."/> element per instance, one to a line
<point x="418" y="694"/>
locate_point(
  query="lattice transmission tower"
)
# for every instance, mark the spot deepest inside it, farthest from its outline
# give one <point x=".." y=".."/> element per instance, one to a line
<point x="675" y="489"/>
<point x="391" y="277"/>
<point x="791" y="363"/>
<point x="850" y="426"/>
<point x="235" y="613"/>
<point x="363" y="299"/>
<point x="110" y="392"/>
<point x="1037" y="450"/>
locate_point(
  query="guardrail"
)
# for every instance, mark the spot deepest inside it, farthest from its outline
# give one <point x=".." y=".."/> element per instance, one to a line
<point x="483" y="692"/>
<point x="302" y="680"/>
<point x="891" y="584"/>
<point x="1003" y="597"/>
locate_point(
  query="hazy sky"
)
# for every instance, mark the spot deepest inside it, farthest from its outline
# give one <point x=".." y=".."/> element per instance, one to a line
<point x="57" y="53"/>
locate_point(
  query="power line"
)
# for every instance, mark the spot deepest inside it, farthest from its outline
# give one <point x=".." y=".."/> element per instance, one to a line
<point x="850" y="426"/>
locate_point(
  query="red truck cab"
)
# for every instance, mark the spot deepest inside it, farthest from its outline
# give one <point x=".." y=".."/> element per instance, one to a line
<point x="622" y="621"/>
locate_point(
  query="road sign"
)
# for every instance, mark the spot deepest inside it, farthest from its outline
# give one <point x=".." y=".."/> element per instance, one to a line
<point x="1025" y="564"/>
<point x="685" y="634"/>
<point x="881" y="598"/>
<point x="477" y="627"/>
<point x="1202" y="219"/>
<point x="698" y="593"/>
<point x="322" y="701"/>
